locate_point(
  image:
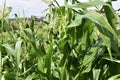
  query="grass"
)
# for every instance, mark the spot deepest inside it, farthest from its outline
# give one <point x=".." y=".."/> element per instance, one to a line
<point x="72" y="43"/>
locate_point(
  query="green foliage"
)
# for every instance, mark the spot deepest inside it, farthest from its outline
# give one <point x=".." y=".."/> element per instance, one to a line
<point x="73" y="44"/>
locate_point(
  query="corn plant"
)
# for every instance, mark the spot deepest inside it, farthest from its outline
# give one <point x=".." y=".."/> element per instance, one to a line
<point x="72" y="43"/>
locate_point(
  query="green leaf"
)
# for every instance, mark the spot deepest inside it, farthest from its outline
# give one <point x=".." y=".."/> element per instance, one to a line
<point x="29" y="34"/>
<point x="107" y="43"/>
<point x="76" y="22"/>
<point x="90" y="56"/>
<point x="40" y="63"/>
<point x="113" y="59"/>
<point x="111" y="15"/>
<point x="86" y="4"/>
<point x="48" y="60"/>
<point x="63" y="73"/>
<point x="18" y="50"/>
<point x="66" y="51"/>
<point x="10" y="49"/>
<point x="96" y="74"/>
<point x="9" y="75"/>
<point x="99" y="19"/>
<point x="32" y="24"/>
<point x="115" y="77"/>
<point x="30" y="77"/>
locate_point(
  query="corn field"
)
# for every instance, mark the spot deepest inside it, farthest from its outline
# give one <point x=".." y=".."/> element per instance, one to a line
<point x="70" y="43"/>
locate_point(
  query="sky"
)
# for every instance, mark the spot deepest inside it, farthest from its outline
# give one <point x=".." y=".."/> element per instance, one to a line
<point x="35" y="7"/>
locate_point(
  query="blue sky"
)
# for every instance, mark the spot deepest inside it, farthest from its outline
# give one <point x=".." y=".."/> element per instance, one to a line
<point x="35" y="7"/>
